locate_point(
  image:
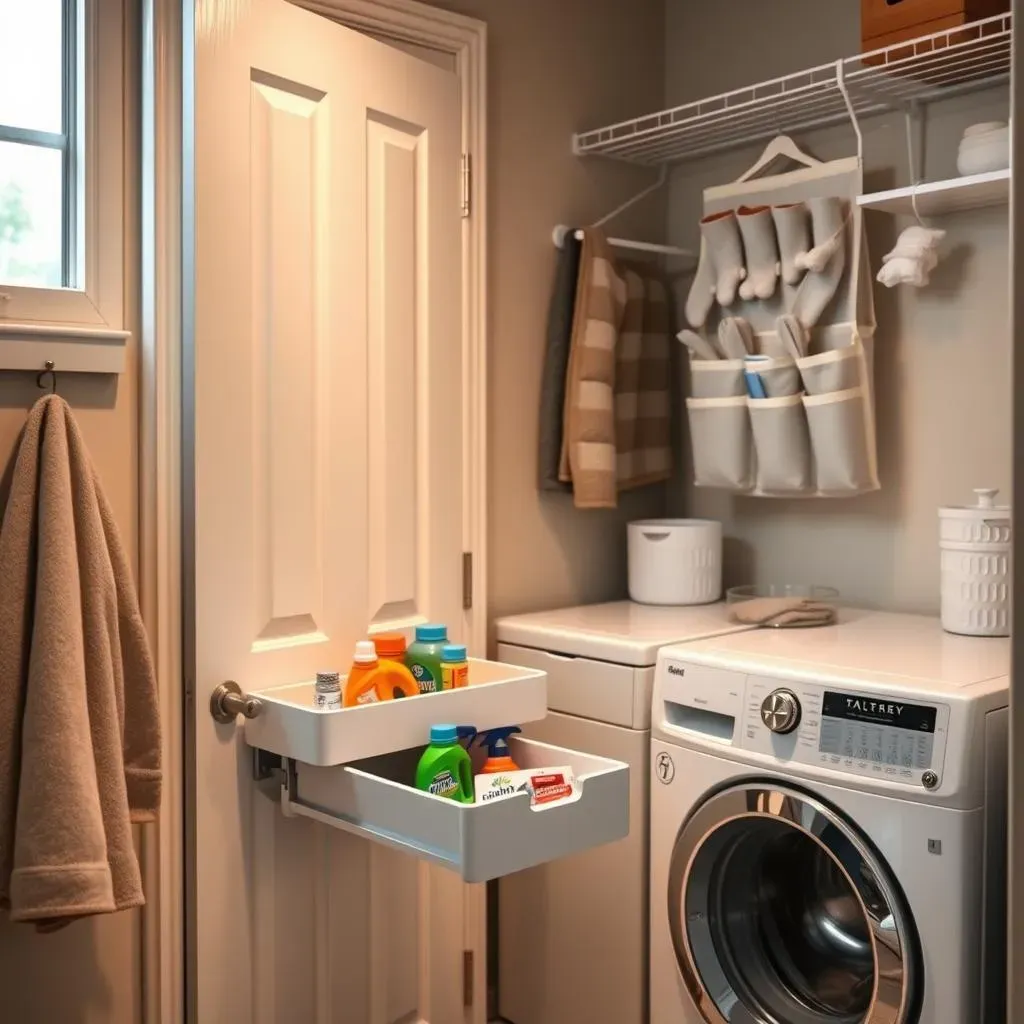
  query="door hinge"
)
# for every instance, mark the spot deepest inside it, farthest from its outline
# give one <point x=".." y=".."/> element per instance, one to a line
<point x="467" y="184"/>
<point x="467" y="977"/>
<point x="467" y="580"/>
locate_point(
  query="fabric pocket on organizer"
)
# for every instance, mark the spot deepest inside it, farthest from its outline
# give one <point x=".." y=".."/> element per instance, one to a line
<point x="717" y="378"/>
<point x="779" y="375"/>
<point x="839" y="432"/>
<point x="720" y="438"/>
<point x="838" y="369"/>
<point x="782" y="444"/>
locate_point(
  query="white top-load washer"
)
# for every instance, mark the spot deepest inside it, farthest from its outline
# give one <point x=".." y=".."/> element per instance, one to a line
<point x="573" y="934"/>
<point x="828" y="826"/>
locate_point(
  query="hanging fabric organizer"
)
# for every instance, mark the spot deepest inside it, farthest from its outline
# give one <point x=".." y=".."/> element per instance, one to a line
<point x="810" y="336"/>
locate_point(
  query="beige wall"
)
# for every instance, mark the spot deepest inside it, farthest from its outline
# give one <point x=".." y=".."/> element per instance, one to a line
<point x="943" y="354"/>
<point x="554" y="68"/>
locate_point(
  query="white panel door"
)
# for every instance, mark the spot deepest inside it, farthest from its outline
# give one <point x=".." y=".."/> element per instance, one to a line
<point x="328" y="487"/>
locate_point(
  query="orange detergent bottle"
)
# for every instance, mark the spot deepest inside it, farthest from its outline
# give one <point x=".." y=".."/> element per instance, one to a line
<point x="498" y="758"/>
<point x="372" y="680"/>
<point x="391" y="652"/>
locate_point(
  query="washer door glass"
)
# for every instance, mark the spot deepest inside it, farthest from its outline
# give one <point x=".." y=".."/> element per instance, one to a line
<point x="781" y="913"/>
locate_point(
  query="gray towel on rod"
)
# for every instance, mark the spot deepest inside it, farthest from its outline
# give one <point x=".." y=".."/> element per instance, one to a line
<point x="556" y="361"/>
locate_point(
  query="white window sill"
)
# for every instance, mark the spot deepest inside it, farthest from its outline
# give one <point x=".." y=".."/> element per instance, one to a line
<point x="71" y="349"/>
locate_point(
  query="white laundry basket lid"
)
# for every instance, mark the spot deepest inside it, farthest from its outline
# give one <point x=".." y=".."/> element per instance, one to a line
<point x="985" y="508"/>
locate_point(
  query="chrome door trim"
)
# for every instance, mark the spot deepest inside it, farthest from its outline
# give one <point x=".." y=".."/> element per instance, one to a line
<point x="892" y="934"/>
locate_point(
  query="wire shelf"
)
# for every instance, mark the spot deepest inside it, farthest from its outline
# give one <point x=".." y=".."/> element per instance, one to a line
<point x="933" y="67"/>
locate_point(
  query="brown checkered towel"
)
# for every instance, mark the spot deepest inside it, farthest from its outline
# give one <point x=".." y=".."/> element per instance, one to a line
<point x="642" y="411"/>
<point x="616" y="423"/>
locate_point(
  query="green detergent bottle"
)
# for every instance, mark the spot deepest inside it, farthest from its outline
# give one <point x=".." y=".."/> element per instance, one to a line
<point x="423" y="658"/>
<point x="445" y="768"/>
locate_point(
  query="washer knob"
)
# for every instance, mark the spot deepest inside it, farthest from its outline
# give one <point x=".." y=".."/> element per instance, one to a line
<point x="780" y="711"/>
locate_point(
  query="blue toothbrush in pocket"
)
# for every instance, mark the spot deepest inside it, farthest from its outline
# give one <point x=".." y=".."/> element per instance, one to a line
<point x="755" y="386"/>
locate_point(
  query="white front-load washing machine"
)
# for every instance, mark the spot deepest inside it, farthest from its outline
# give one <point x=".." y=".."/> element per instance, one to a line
<point x="828" y="826"/>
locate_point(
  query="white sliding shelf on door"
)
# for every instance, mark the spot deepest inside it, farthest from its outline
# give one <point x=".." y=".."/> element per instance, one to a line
<point x="290" y="726"/>
<point x="481" y="841"/>
<point x="353" y="770"/>
<point x="970" y="192"/>
<point x="918" y="71"/>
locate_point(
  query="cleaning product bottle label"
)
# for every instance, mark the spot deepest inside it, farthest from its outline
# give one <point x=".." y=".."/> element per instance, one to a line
<point x="453" y="677"/>
<point x="369" y="697"/>
<point x="444" y="784"/>
<point x="497" y="787"/>
<point x="327" y="694"/>
<point x="424" y="678"/>
<point x="544" y="785"/>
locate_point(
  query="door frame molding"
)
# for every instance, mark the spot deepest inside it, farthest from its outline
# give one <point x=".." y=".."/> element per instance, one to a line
<point x="161" y="489"/>
<point x="160" y="494"/>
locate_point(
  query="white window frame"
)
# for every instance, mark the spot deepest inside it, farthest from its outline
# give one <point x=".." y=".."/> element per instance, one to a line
<point x="94" y="307"/>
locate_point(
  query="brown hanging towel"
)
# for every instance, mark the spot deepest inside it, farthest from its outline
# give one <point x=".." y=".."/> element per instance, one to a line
<point x="79" y="726"/>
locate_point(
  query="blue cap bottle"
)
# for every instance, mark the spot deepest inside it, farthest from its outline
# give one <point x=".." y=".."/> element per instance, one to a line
<point x="423" y="658"/>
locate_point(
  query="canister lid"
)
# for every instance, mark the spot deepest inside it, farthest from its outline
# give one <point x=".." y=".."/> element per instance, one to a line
<point x="984" y="508"/>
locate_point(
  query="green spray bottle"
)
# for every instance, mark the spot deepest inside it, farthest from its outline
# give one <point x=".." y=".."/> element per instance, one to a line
<point x="445" y="768"/>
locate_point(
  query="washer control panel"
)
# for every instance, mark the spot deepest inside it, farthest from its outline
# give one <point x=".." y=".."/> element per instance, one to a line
<point x="886" y="732"/>
<point x="870" y="734"/>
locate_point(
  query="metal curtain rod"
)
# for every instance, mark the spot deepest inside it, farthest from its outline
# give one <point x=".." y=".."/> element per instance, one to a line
<point x="561" y="232"/>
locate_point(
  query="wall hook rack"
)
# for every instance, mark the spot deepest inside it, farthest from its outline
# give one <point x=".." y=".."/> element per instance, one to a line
<point x="75" y="349"/>
<point x="49" y="368"/>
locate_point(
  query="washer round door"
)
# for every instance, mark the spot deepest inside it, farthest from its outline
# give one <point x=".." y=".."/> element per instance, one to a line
<point x="782" y="913"/>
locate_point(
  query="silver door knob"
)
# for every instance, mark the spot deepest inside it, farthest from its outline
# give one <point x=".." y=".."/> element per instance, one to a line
<point x="780" y="711"/>
<point x="227" y="702"/>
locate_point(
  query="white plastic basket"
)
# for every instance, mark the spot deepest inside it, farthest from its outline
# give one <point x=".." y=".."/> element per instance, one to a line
<point x="675" y="561"/>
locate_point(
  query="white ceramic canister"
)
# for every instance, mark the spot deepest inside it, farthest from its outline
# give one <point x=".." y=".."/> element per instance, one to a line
<point x="675" y="561"/>
<point x="975" y="542"/>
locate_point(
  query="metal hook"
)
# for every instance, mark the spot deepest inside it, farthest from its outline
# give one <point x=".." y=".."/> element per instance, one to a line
<point x="53" y="377"/>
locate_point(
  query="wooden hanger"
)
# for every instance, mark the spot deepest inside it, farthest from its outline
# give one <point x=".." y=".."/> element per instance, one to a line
<point x="781" y="146"/>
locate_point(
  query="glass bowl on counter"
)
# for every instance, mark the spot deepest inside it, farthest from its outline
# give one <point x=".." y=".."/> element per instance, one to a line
<point x="783" y="605"/>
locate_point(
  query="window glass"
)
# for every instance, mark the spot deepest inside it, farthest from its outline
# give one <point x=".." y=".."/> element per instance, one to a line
<point x="36" y="81"/>
<point x="31" y="215"/>
<point x="32" y="65"/>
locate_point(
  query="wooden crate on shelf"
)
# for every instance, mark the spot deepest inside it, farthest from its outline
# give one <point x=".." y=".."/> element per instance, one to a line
<point x="885" y="23"/>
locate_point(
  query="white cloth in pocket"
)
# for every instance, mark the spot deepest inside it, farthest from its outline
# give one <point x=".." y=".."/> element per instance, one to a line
<point x="717" y="378"/>
<point x="840" y="435"/>
<point x="782" y="444"/>
<point x="838" y="369"/>
<point x="720" y="437"/>
<point x="779" y="375"/>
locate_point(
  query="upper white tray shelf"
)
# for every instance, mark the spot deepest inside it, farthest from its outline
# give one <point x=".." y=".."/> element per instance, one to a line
<point x="289" y="724"/>
<point x="921" y="70"/>
<point x="935" y="198"/>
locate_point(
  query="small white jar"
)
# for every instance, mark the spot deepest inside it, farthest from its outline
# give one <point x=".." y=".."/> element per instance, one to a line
<point x="984" y="147"/>
<point x="675" y="561"/>
<point x="975" y="543"/>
